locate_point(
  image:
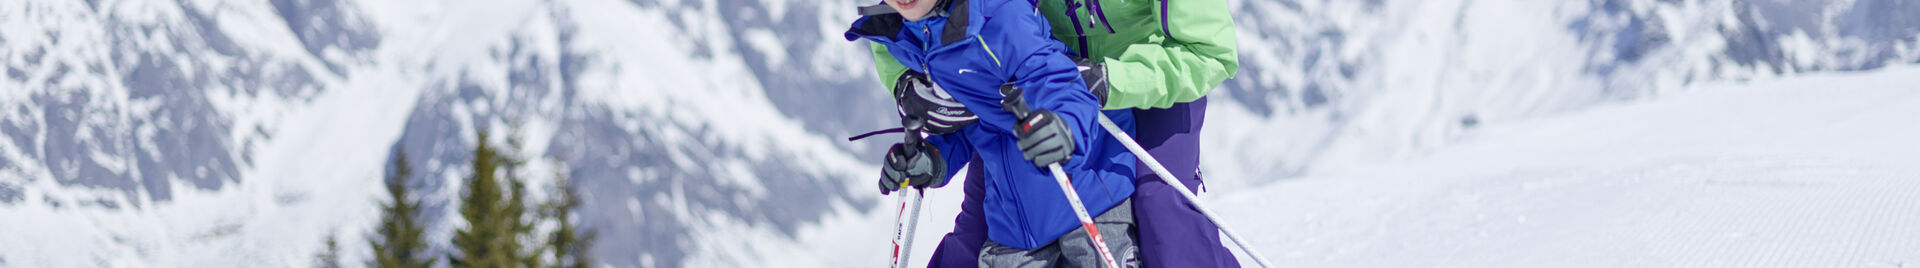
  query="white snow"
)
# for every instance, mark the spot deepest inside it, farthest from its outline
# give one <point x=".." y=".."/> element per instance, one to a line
<point x="1801" y="172"/>
<point x="290" y="201"/>
<point x="1400" y="76"/>
<point x="767" y="43"/>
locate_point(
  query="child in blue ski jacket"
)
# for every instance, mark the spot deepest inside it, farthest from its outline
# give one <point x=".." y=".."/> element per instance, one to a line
<point x="971" y="49"/>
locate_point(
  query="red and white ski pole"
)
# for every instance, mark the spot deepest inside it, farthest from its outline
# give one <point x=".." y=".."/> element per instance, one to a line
<point x="1086" y="221"/>
<point x="910" y="198"/>
<point x="1013" y="103"/>
<point x="1168" y="177"/>
<point x="904" y="223"/>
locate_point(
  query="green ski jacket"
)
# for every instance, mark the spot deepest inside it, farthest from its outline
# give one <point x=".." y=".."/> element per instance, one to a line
<point x="1157" y="52"/>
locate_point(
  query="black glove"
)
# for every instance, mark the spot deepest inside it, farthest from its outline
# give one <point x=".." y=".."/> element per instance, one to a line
<point x="1095" y="75"/>
<point x="919" y="97"/>
<point x="1044" y="138"/>
<point x="920" y="166"/>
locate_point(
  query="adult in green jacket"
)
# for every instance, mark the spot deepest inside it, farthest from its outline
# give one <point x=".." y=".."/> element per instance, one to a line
<point x="1160" y="58"/>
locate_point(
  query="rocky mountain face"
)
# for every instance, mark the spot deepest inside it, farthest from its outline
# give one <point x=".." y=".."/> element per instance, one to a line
<point x="140" y="98"/>
<point x="1330" y="85"/>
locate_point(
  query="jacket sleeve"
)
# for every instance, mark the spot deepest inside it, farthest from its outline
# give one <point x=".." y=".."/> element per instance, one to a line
<point x="954" y="149"/>
<point x="1040" y="65"/>
<point x="886" y="66"/>
<point x="953" y="146"/>
<point x="1199" y="53"/>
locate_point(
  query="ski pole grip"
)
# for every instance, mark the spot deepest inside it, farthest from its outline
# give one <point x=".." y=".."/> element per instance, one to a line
<point x="1012" y="99"/>
<point x="913" y="126"/>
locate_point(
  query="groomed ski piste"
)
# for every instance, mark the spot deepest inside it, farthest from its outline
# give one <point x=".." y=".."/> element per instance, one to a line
<point x="1814" y="171"/>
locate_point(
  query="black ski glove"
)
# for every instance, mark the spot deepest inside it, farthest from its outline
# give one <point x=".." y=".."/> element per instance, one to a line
<point x="1095" y="75"/>
<point x="1044" y="139"/>
<point x="919" y="97"/>
<point x="920" y="166"/>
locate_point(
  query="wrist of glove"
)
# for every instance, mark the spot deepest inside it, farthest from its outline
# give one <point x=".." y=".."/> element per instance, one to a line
<point x="1044" y="138"/>
<point x="1095" y="75"/>
<point x="917" y="165"/>
<point x="919" y="97"/>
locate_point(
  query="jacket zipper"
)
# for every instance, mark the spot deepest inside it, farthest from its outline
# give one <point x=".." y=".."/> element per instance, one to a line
<point x="926" y="33"/>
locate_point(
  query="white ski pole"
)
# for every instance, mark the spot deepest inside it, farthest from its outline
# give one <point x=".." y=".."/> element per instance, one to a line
<point x="1167" y="176"/>
<point x="1086" y="221"/>
<point x="909" y="216"/>
<point x="1013" y="102"/>
<point x="904" y="223"/>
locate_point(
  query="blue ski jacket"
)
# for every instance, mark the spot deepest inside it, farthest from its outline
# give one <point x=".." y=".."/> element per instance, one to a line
<point x="971" y="48"/>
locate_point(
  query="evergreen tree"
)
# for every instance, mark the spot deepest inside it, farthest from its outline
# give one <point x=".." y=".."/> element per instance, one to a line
<point x="522" y="223"/>
<point x="568" y="244"/>
<point x="329" y="255"/>
<point x="489" y="238"/>
<point x="398" y="243"/>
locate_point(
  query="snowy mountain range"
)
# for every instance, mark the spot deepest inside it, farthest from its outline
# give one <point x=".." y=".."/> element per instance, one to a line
<point x="708" y="133"/>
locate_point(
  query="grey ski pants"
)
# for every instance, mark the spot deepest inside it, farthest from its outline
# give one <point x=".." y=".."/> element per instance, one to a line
<point x="1074" y="249"/>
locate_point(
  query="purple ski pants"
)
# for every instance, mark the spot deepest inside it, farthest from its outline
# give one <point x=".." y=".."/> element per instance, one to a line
<point x="1172" y="232"/>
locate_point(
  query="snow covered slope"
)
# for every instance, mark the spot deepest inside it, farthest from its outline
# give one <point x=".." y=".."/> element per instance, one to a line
<point x="1800" y="172"/>
<point x="203" y="133"/>
<point x="1331" y="85"/>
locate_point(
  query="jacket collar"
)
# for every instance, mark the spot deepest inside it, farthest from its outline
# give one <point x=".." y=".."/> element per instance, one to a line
<point x="885" y="22"/>
<point x="958" y="15"/>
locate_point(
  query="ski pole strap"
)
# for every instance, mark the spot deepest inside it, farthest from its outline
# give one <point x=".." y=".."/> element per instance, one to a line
<point x="878" y="132"/>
